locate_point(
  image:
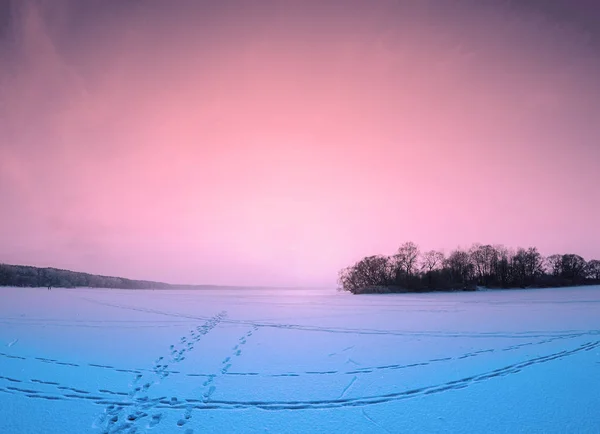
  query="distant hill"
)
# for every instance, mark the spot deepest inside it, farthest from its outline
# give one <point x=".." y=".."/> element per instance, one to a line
<point x="38" y="277"/>
<point x="23" y="275"/>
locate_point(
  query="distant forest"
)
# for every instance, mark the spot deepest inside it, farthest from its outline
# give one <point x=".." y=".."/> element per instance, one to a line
<point x="410" y="270"/>
<point x="22" y="275"/>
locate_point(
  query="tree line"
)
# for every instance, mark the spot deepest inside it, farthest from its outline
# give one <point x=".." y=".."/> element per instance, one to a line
<point x="410" y="270"/>
<point x="23" y="275"/>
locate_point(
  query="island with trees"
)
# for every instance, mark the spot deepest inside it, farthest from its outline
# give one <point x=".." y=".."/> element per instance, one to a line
<point x="481" y="266"/>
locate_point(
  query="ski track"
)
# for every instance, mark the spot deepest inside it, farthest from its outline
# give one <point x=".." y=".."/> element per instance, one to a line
<point x="137" y="410"/>
<point x="348" y="386"/>
<point x="370" y="419"/>
<point x="358" y="371"/>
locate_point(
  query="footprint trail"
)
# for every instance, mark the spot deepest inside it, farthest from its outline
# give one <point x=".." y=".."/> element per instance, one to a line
<point x="141" y="411"/>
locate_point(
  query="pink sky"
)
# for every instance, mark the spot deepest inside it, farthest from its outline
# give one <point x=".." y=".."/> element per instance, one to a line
<point x="273" y="143"/>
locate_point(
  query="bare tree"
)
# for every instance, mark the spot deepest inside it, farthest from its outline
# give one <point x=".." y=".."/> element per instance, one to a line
<point x="554" y="265"/>
<point x="502" y="271"/>
<point x="593" y="269"/>
<point x="573" y="267"/>
<point x="366" y="274"/>
<point x="407" y="257"/>
<point x="460" y="266"/>
<point x="483" y="259"/>
<point x="527" y="265"/>
<point x="534" y="264"/>
<point x="430" y="261"/>
<point x="569" y="266"/>
<point x="405" y="264"/>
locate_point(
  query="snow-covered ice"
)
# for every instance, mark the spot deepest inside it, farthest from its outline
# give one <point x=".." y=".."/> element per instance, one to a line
<point x="298" y="361"/>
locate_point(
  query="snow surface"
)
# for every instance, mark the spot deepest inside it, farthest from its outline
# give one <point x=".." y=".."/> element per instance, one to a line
<point x="298" y="361"/>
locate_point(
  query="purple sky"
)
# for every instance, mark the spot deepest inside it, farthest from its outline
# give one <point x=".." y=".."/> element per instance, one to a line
<point x="275" y="142"/>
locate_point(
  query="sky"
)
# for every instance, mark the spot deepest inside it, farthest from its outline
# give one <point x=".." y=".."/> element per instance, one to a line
<point x="275" y="142"/>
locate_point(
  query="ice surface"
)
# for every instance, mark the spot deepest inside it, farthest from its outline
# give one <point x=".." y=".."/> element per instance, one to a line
<point x="298" y="361"/>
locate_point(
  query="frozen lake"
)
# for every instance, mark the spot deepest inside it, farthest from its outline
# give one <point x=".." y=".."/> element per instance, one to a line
<point x="298" y="361"/>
